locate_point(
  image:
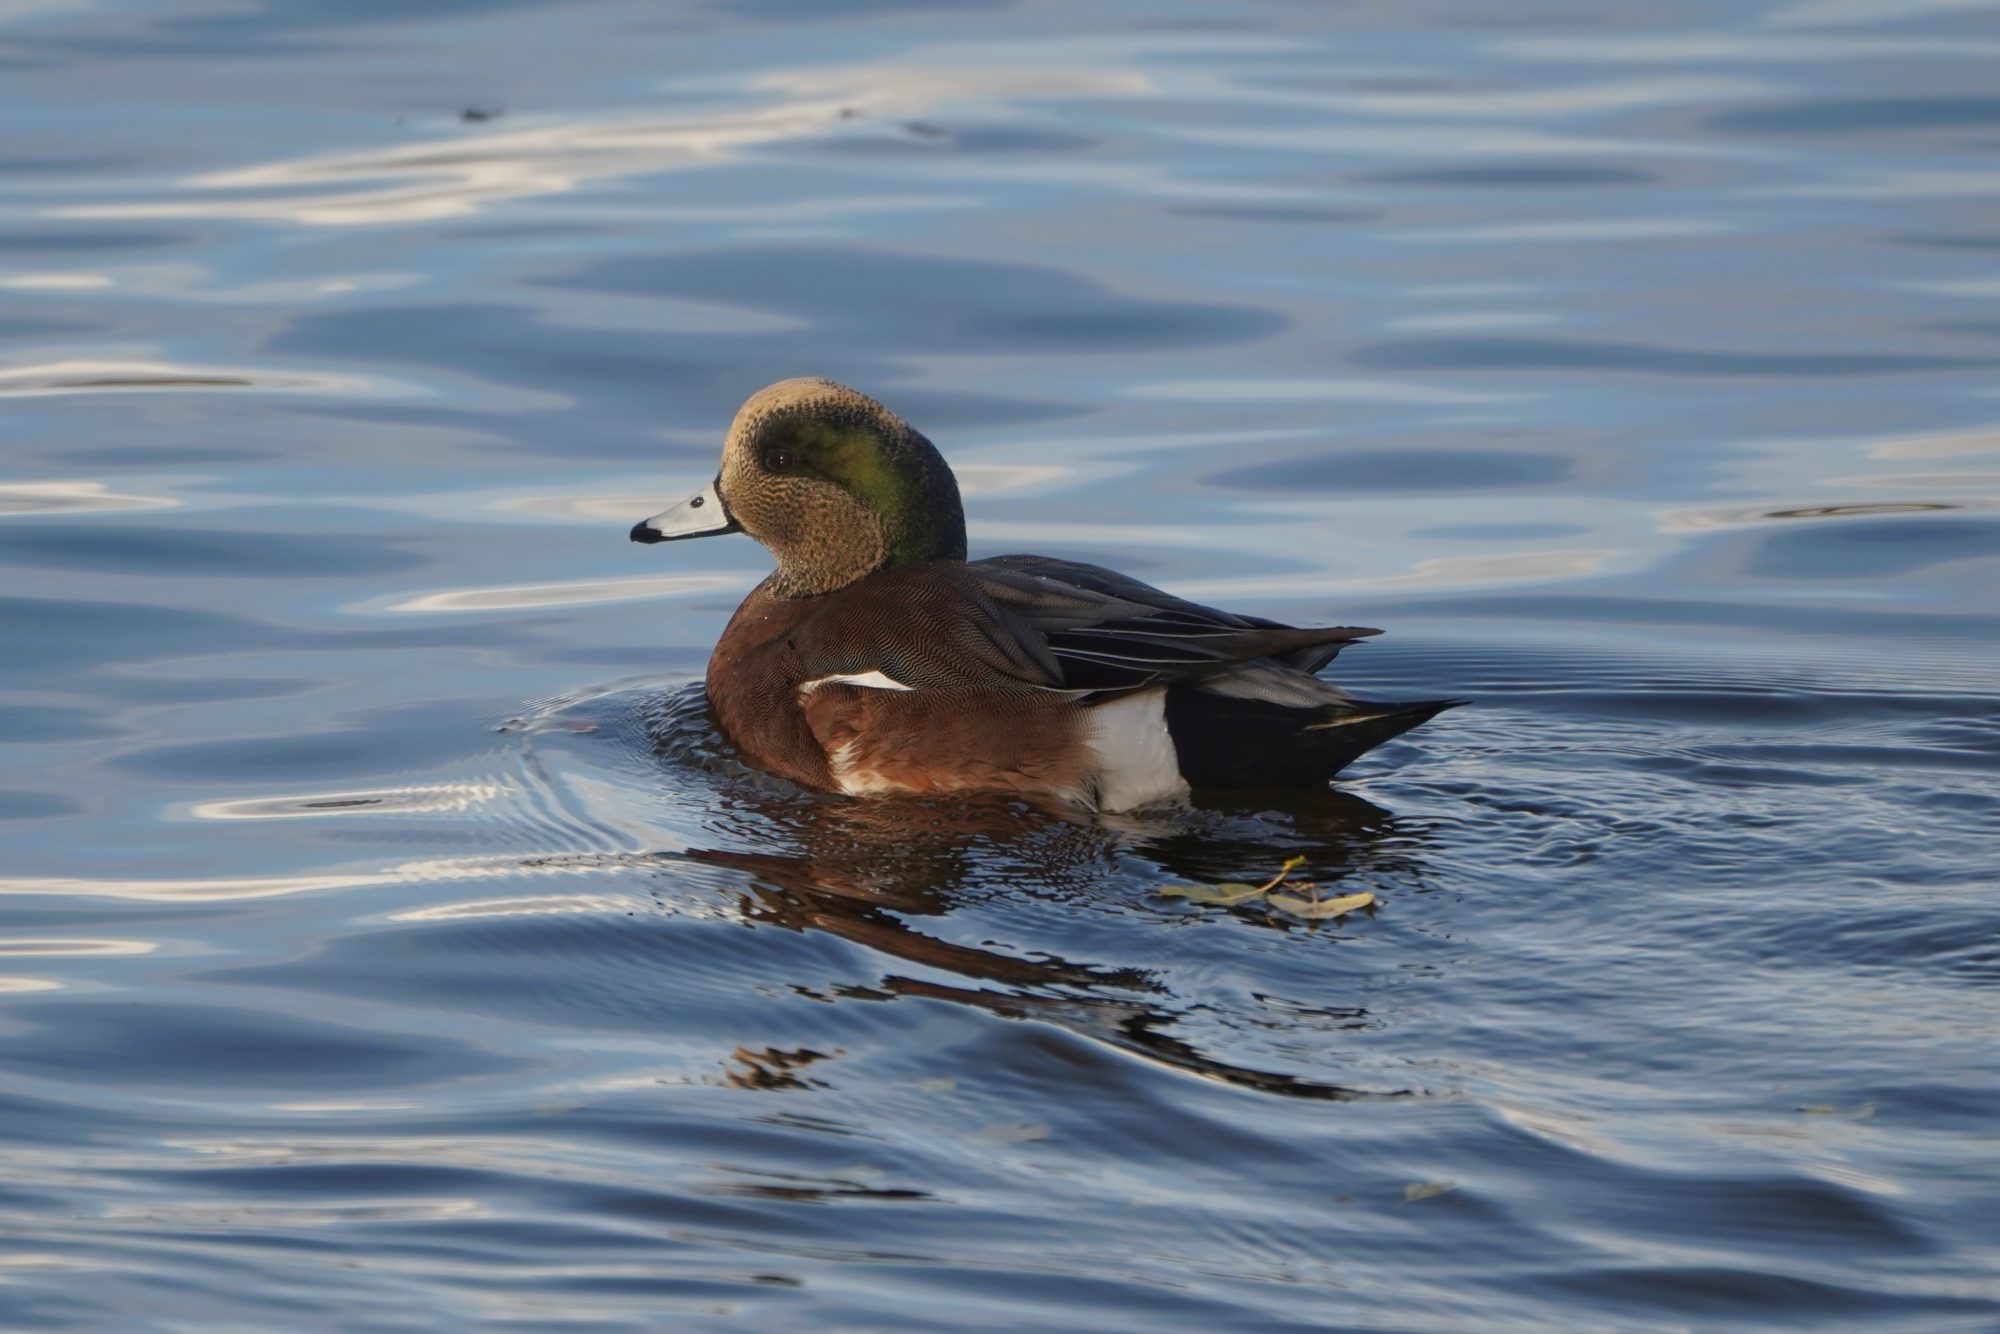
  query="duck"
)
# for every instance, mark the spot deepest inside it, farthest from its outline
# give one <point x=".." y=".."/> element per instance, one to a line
<point x="877" y="660"/>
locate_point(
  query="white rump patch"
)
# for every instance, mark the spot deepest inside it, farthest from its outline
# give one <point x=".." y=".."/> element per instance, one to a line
<point x="875" y="680"/>
<point x="1137" y="762"/>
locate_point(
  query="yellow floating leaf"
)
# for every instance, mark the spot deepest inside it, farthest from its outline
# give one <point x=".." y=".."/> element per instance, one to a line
<point x="1425" y="1190"/>
<point x="1858" y="1112"/>
<point x="1318" y="908"/>
<point x="1226" y="893"/>
<point x="1232" y="891"/>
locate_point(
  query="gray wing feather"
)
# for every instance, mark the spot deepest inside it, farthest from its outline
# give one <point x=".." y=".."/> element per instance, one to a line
<point x="1108" y="632"/>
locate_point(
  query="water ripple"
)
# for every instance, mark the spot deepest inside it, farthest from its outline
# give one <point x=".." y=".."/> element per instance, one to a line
<point x="73" y="498"/>
<point x="519" y="597"/>
<point x="83" y="376"/>
<point x="387" y="928"/>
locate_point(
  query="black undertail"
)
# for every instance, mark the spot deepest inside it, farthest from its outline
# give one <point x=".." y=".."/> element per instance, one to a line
<point x="1228" y="742"/>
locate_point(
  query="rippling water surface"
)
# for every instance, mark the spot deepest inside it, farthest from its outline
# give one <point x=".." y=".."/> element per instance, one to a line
<point x="386" y="942"/>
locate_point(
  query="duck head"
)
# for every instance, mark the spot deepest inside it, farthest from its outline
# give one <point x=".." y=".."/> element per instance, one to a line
<point x="835" y="485"/>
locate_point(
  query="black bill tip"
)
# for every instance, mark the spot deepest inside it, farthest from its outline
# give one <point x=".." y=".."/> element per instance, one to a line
<point x="643" y="531"/>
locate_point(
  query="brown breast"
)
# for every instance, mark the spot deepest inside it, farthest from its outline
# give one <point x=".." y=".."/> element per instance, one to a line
<point x="966" y="728"/>
<point x="753" y="680"/>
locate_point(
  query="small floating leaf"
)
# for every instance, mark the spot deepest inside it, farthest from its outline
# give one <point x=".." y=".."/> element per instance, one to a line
<point x="1424" y="1190"/>
<point x="1318" y="908"/>
<point x="1226" y="893"/>
<point x="1858" y="1112"/>
<point x="1231" y="891"/>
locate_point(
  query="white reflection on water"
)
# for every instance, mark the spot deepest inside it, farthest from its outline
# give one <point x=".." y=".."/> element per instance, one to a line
<point x="1522" y="567"/>
<point x="452" y="178"/>
<point x="233" y="889"/>
<point x="518" y="597"/>
<point x="990" y="479"/>
<point x="20" y="1261"/>
<point x="235" y="1215"/>
<point x="609" y="508"/>
<point x="433" y="798"/>
<point x="93" y="376"/>
<point x="1581" y="99"/>
<point x="1780" y="480"/>
<point x="1854" y="13"/>
<point x="54" y="282"/>
<point x="194" y="282"/>
<point x="446" y="178"/>
<point x="1948" y="444"/>
<point x="18" y="498"/>
<point x="75" y="948"/>
<point x="1730" y="516"/>
<point x="539" y="905"/>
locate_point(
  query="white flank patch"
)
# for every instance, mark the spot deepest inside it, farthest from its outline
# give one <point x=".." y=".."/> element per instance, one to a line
<point x="1137" y="762"/>
<point x="875" y="680"/>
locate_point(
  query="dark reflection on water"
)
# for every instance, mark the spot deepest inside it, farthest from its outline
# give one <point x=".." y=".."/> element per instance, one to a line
<point x="644" y="370"/>
<point x="1377" y="470"/>
<point x="263" y="555"/>
<point x="385" y="937"/>
<point x="917" y="138"/>
<point x="948" y="306"/>
<point x="1492" y="354"/>
<point x="1863" y="116"/>
<point x="1532" y="175"/>
<point x="1883" y="549"/>
<point x="1270" y="213"/>
<point x="862" y="872"/>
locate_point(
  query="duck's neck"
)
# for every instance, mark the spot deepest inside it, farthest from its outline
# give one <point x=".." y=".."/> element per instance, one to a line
<point x="919" y="523"/>
<point x="808" y="569"/>
<point x="911" y="498"/>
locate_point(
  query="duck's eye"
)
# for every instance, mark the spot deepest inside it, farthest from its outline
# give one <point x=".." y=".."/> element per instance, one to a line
<point x="779" y="460"/>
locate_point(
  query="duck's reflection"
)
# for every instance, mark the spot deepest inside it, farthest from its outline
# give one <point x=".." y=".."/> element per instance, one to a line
<point x="870" y="871"/>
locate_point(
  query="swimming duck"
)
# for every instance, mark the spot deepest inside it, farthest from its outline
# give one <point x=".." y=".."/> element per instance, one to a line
<point x="877" y="659"/>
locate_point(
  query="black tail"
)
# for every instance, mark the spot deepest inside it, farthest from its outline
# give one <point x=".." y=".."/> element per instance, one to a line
<point x="1229" y="742"/>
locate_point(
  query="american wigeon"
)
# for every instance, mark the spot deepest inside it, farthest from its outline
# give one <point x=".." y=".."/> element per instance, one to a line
<point x="878" y="659"/>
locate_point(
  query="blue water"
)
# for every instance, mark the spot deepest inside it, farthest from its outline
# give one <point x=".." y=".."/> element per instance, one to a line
<point x="386" y="942"/>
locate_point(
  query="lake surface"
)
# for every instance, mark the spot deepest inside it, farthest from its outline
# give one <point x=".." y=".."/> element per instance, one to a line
<point x="388" y="942"/>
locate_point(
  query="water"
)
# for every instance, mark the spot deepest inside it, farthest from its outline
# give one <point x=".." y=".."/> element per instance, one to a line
<point x="387" y="943"/>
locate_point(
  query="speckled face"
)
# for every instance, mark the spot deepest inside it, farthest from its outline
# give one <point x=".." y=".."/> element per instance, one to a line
<point x="792" y="473"/>
<point x="837" y="486"/>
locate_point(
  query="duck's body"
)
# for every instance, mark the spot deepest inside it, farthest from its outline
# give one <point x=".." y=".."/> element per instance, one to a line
<point x="877" y="659"/>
